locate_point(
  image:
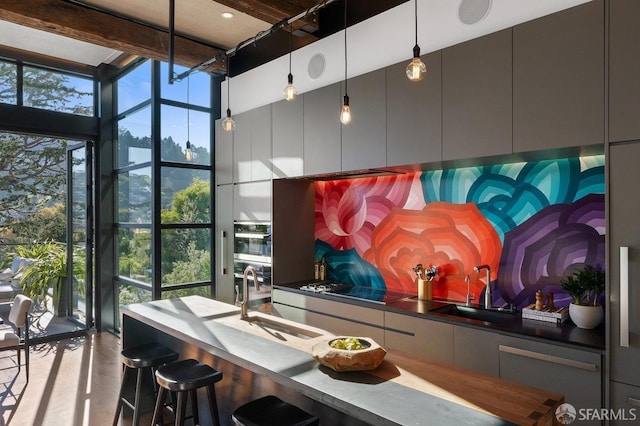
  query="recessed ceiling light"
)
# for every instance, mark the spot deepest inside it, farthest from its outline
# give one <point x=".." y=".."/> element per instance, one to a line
<point x="227" y="15"/>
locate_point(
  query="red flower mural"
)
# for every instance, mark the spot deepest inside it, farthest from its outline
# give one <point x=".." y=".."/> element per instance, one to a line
<point x="348" y="211"/>
<point x="454" y="237"/>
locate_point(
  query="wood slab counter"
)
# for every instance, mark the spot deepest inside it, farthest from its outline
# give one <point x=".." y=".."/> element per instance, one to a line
<point x="404" y="390"/>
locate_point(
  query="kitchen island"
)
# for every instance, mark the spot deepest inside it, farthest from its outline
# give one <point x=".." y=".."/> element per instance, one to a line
<point x="273" y="355"/>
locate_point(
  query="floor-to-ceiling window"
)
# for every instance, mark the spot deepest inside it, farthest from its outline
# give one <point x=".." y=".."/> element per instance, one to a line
<point x="163" y="175"/>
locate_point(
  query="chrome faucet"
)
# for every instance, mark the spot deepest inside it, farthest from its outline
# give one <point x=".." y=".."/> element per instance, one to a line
<point x="487" y="294"/>
<point x="244" y="303"/>
<point x="470" y="297"/>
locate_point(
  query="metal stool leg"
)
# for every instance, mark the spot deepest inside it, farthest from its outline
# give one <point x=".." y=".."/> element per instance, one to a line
<point x="125" y="375"/>
<point x="136" y="399"/>
<point x="182" y="407"/>
<point x="213" y="405"/>
<point x="194" y="406"/>
<point x="158" y="410"/>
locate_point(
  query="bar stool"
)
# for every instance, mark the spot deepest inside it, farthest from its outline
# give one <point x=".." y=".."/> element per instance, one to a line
<point x="144" y="357"/>
<point x="185" y="377"/>
<point x="272" y="411"/>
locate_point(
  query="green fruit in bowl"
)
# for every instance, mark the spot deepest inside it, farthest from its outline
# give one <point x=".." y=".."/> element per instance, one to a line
<point x="349" y="344"/>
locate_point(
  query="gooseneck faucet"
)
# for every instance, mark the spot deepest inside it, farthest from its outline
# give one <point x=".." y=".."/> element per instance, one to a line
<point x="487" y="294"/>
<point x="244" y="303"/>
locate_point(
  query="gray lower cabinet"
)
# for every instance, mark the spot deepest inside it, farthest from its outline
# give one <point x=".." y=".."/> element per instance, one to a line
<point x="336" y="317"/>
<point x="558" y="79"/>
<point x="625" y="403"/>
<point x="477" y="97"/>
<point x="477" y="350"/>
<point x="364" y="140"/>
<point x="624" y="68"/>
<point x="224" y="244"/>
<point x="252" y="201"/>
<point x="322" y="138"/>
<point x="414" y="114"/>
<point x="574" y="373"/>
<point x="224" y="155"/>
<point x="432" y="340"/>
<point x="287" y="156"/>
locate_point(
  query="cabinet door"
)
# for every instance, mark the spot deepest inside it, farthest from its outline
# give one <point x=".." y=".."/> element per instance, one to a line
<point x="576" y="374"/>
<point x="252" y="201"/>
<point x="322" y="143"/>
<point x="224" y="243"/>
<point x="625" y="402"/>
<point x="364" y="140"/>
<point x="432" y="340"/>
<point x="287" y="152"/>
<point x="624" y="231"/>
<point x="476" y="350"/>
<point x="224" y="155"/>
<point x="476" y="97"/>
<point x="252" y="145"/>
<point x="414" y="114"/>
<point x="558" y="79"/>
<point x="624" y="68"/>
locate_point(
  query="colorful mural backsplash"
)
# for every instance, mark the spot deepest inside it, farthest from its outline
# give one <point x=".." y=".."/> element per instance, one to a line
<point x="533" y="223"/>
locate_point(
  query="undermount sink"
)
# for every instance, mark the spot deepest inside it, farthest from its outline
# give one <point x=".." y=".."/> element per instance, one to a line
<point x="275" y="326"/>
<point x="474" y="313"/>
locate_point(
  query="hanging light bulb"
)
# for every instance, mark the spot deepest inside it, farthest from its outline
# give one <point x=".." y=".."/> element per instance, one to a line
<point x="416" y="68"/>
<point x="228" y="124"/>
<point x="188" y="154"/>
<point x="290" y="92"/>
<point x="345" y="112"/>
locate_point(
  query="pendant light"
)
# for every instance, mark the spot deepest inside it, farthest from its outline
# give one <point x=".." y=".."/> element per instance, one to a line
<point x="345" y="112"/>
<point x="416" y="68"/>
<point x="188" y="154"/>
<point x="228" y="124"/>
<point x="290" y="92"/>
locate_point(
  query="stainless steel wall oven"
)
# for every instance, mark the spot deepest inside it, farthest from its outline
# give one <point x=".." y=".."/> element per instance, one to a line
<point x="252" y="247"/>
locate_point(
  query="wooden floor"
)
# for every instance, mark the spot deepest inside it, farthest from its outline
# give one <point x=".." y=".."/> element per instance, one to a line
<point x="71" y="382"/>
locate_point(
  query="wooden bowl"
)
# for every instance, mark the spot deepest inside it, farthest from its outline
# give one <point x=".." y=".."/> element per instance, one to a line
<point x="340" y="360"/>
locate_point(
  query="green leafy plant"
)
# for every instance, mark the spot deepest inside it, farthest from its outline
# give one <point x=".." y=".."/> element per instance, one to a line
<point x="584" y="285"/>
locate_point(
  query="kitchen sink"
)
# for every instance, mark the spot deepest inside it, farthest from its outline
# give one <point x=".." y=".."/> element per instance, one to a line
<point x="474" y="313"/>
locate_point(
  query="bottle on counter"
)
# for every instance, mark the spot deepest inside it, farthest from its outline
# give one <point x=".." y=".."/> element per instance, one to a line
<point x="323" y="269"/>
<point x="539" y="303"/>
<point x="550" y="305"/>
<point x="316" y="267"/>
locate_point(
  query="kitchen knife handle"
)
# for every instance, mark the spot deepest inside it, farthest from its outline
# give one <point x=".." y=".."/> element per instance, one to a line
<point x="624" y="297"/>
<point x="223" y="258"/>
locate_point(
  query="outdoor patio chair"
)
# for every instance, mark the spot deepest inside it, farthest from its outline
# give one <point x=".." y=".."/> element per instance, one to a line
<point x="18" y="339"/>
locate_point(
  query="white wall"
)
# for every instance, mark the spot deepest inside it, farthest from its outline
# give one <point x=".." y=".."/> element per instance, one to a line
<point x="383" y="40"/>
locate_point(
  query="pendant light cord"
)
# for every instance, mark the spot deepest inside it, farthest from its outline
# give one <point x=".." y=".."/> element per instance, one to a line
<point x="290" y="44"/>
<point x="228" y="81"/>
<point x="188" y="107"/>
<point x="345" y="47"/>
<point x="415" y="3"/>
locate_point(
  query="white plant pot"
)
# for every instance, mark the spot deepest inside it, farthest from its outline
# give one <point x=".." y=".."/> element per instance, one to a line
<point x="586" y="316"/>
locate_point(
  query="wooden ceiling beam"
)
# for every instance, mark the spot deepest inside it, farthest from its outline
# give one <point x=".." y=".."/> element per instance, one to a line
<point x="92" y="26"/>
<point x="274" y="11"/>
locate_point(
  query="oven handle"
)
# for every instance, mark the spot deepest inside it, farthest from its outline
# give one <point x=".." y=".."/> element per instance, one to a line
<point x="223" y="258"/>
<point x="624" y="297"/>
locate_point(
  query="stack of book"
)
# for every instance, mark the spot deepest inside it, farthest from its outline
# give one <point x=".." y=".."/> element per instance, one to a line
<point x="555" y="315"/>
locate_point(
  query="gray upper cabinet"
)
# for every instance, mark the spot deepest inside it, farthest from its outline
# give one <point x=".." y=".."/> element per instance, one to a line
<point x="624" y="69"/>
<point x="364" y="140"/>
<point x="252" y="145"/>
<point x="477" y="97"/>
<point x="224" y="155"/>
<point x="322" y="142"/>
<point x="414" y="114"/>
<point x="287" y="157"/>
<point x="558" y="79"/>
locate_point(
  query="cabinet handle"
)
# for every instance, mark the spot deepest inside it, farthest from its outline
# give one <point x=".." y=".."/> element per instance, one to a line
<point x="624" y="297"/>
<point x="548" y="358"/>
<point x="223" y="263"/>
<point x="634" y="401"/>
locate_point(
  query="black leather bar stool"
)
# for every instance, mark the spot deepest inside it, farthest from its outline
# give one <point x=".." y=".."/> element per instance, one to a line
<point x="272" y="411"/>
<point x="141" y="358"/>
<point x="185" y="377"/>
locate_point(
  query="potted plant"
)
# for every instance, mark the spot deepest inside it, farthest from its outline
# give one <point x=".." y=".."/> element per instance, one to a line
<point x="585" y="286"/>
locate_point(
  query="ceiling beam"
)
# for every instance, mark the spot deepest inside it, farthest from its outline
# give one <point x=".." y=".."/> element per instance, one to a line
<point x="274" y="11"/>
<point x="96" y="27"/>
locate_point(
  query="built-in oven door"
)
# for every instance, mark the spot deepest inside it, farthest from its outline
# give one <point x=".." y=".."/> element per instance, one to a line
<point x="252" y="247"/>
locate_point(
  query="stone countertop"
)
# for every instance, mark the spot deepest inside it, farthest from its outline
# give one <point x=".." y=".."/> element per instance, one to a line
<point x="403" y="390"/>
<point x="566" y="333"/>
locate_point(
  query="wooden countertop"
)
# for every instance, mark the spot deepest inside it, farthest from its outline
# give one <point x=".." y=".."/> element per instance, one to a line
<point x="403" y="390"/>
